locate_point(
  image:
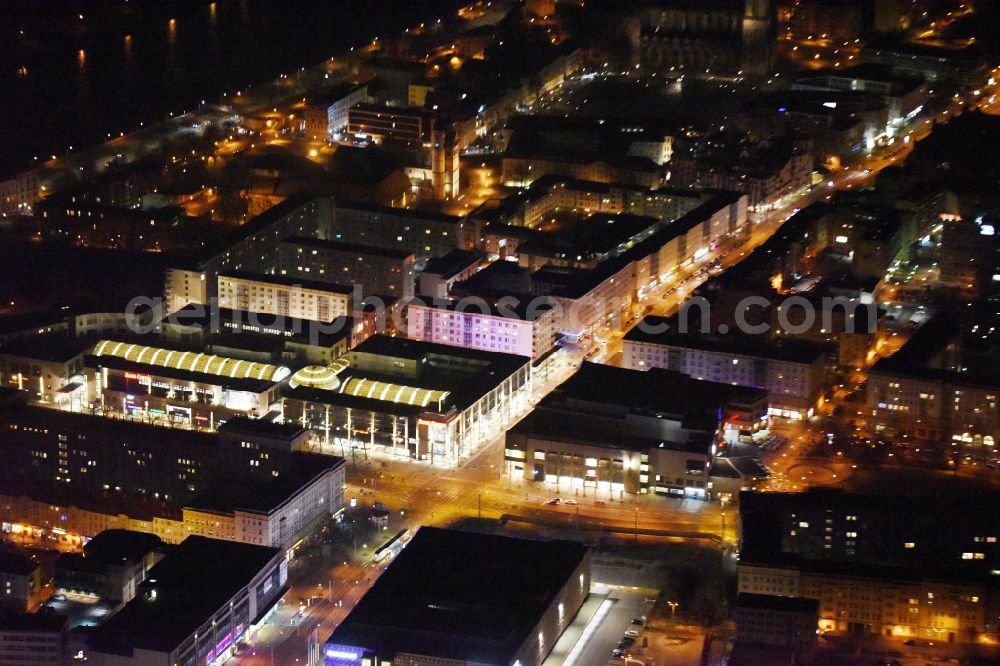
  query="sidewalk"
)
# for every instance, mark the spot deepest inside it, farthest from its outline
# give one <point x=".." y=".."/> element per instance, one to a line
<point x="575" y="631"/>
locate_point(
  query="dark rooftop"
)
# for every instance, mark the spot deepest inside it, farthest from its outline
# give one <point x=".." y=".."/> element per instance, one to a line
<point x="32" y="622"/>
<point x="462" y="596"/>
<point x="236" y="322"/>
<point x="329" y="96"/>
<point x="116" y="545"/>
<point x="55" y="347"/>
<point x="343" y="246"/>
<point x="266" y="496"/>
<point x="466" y="374"/>
<point x="454" y="262"/>
<point x="595" y="236"/>
<point x="244" y="425"/>
<point x="588" y="429"/>
<point x="192" y="582"/>
<point x="657" y="391"/>
<point x="776" y="603"/>
<point x="795" y="351"/>
<point x="411" y="213"/>
<point x="943" y="525"/>
<point x="288" y="281"/>
<point x="16" y="563"/>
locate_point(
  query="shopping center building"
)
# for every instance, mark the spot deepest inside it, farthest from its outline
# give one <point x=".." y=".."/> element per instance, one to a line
<point x="412" y="399"/>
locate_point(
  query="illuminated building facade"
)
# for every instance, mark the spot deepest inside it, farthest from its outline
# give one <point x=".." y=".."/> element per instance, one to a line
<point x="411" y="399"/>
<point x="178" y="387"/>
<point x="199" y="602"/>
<point x="295" y="297"/>
<point x="75" y="474"/>
<point x="515" y="333"/>
<point x="377" y="270"/>
<point x="608" y="431"/>
<point x="432" y="607"/>
<point x="793" y="372"/>
<point x="870" y="571"/>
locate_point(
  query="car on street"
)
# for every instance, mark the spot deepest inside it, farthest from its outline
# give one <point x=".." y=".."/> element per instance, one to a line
<point x="555" y="501"/>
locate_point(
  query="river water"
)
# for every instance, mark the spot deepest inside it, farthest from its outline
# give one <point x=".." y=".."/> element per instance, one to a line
<point x="74" y="71"/>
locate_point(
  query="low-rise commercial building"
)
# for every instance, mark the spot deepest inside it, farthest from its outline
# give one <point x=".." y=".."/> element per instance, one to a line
<point x="905" y="96"/>
<point x="585" y="149"/>
<point x="610" y="430"/>
<point x="111" y="567"/>
<point x="48" y="368"/>
<point x="265" y="336"/>
<point x="409" y="398"/>
<point x="454" y="597"/>
<point x="198" y="604"/>
<point x="176" y="386"/>
<point x="407" y="124"/>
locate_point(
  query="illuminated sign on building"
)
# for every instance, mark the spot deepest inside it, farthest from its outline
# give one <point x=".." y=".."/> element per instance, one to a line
<point x="342" y="655"/>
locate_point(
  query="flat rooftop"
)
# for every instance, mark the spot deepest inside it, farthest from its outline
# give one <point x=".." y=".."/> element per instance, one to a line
<point x="244" y="425"/>
<point x="331" y="96"/>
<point x="572" y="427"/>
<point x="53" y="347"/>
<point x="343" y="246"/>
<point x="192" y="582"/>
<point x="460" y="595"/>
<point x="115" y="546"/>
<point x="794" y="351"/>
<point x="12" y="562"/>
<point x="265" y="495"/>
<point x="462" y="375"/>
<point x="948" y="525"/>
<point x="242" y="322"/>
<point x="454" y="262"/>
<point x="288" y="281"/>
<point x="776" y="603"/>
<point x="596" y="235"/>
<point x="407" y="213"/>
<point x="32" y="622"/>
<point x="656" y="391"/>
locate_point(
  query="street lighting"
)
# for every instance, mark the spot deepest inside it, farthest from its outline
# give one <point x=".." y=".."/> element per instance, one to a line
<point x="724" y="500"/>
<point x="673" y="608"/>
